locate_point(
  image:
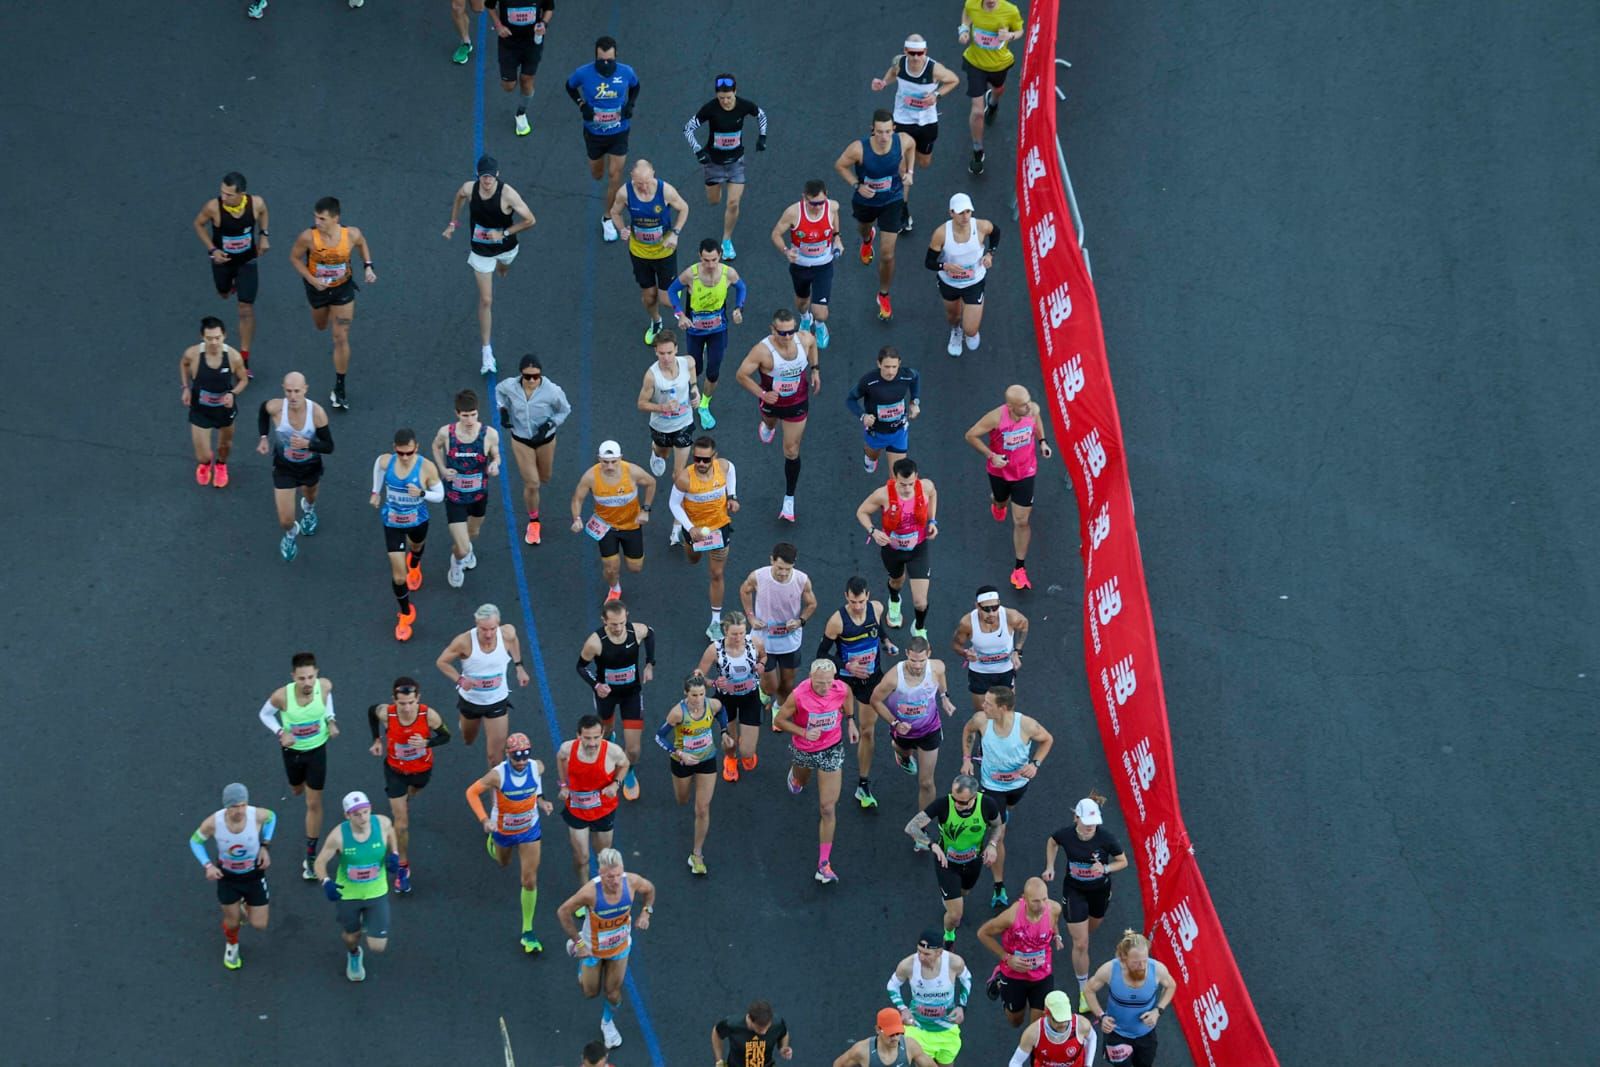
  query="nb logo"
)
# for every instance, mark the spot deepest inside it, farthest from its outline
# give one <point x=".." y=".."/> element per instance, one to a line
<point x="1213" y="1013"/>
<point x="1094" y="453"/>
<point x="1144" y="762"/>
<point x="1188" y="930"/>
<point x="1124" y="682"/>
<point x="1032" y="163"/>
<point x="1058" y="308"/>
<point x="1099" y="530"/>
<point x="1107" y="601"/>
<point x="1043" y="235"/>
<point x="1030" y="101"/>
<point x="1160" y="853"/>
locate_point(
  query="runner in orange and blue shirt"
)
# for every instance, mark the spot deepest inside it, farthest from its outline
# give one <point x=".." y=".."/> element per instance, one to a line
<point x="513" y="822"/>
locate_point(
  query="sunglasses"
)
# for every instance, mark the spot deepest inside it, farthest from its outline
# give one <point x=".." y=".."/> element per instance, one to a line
<point x="522" y="755"/>
<point x="699" y="460"/>
<point x="816" y="203"/>
<point x="531" y="377"/>
<point x="988" y="607"/>
<point x="406" y="691"/>
<point x="786" y="333"/>
<point x="724" y="83"/>
<point x="916" y="52"/>
<point x="403" y="452"/>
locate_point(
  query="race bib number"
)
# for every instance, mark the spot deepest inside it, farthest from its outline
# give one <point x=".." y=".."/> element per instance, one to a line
<point x="994" y="657"/>
<point x="866" y="661"/>
<point x="609" y="117"/>
<point x="469" y="483"/>
<point x="238" y="866"/>
<point x="961" y="855"/>
<point x="330" y="272"/>
<point x="210" y="399"/>
<point x="823" y="721"/>
<point x="727" y="141"/>
<point x="516" y="822"/>
<point x="910" y="710"/>
<point x="648" y="234"/>
<point x="814" y="249"/>
<point x="584" y="800"/>
<point x="405" y="753"/>
<point x="621" y="675"/>
<point x="708" y="544"/>
<point x="987" y="38"/>
<point x="521" y="16"/>
<point x="920" y="101"/>
<point x="904" y="542"/>
<point x="611" y="940"/>
<point x="484" y="235"/>
<point x="706" y="320"/>
<point x="597" y="527"/>
<point x="1119" y="1053"/>
<point x="892" y="412"/>
<point x="1006" y="776"/>
<point x="777" y="629"/>
<point x="878" y="185"/>
<point x="696" y="744"/>
<point x="366" y="872"/>
<point x="233" y="245"/>
<point x="1030" y="960"/>
<point x="480" y="681"/>
<point x="303" y="730"/>
<point x="408" y="517"/>
<point x="1016" y="438"/>
<point x="786" y="386"/>
<point x="959" y="273"/>
<point x="297" y="455"/>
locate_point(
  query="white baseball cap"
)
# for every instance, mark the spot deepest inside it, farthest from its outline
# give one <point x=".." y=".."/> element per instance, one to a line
<point x="610" y="450"/>
<point x="356" y="801"/>
<point x="961" y="202"/>
<point x="1088" y="812"/>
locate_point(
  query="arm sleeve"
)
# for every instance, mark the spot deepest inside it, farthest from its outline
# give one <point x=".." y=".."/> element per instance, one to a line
<point x="964" y="989"/>
<point x="435" y="492"/>
<point x="896" y="997"/>
<point x="269" y="827"/>
<point x="853" y="398"/>
<point x="649" y="646"/>
<point x="931" y="260"/>
<point x="473" y="802"/>
<point x="733" y="481"/>
<point x="664" y="736"/>
<point x="263" y="420"/>
<point x="825" y="647"/>
<point x="761" y="120"/>
<point x="323" y="440"/>
<point x="572" y="90"/>
<point x="197" y="845"/>
<point x="675" y="295"/>
<point x="722" y="719"/>
<point x="992" y="242"/>
<point x="739" y="291"/>
<point x="1020" y="1058"/>
<point x="441" y="736"/>
<point x="327" y="706"/>
<point x="675" y="503"/>
<point x="377" y="474"/>
<point x="372" y="719"/>
<point x="587" y="671"/>
<point x="269" y="717"/>
<point x="689" y="128"/>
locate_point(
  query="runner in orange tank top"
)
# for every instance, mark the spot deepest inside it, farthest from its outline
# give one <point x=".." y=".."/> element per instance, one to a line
<point x="705" y="496"/>
<point x="322" y="258"/>
<point x="623" y="495"/>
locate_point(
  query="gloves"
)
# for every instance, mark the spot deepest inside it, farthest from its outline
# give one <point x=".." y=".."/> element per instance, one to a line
<point x="546" y="428"/>
<point x="392" y="862"/>
<point x="627" y="111"/>
<point x="505" y="418"/>
<point x="761" y="142"/>
<point x="331" y="889"/>
<point x="587" y="111"/>
<point x="702" y="155"/>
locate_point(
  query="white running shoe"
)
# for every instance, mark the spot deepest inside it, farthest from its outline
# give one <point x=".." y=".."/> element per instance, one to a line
<point x="230" y="957"/>
<point x="974" y="341"/>
<point x="609" y="1031"/>
<point x="487" y="366"/>
<point x="868" y="463"/>
<point x="765" y="432"/>
<point x="472" y="559"/>
<point x="357" y="3"/>
<point x="658" y="466"/>
<point x="954" y="347"/>
<point x="608" y="229"/>
<point x="457" y="573"/>
<point x="787" y="512"/>
<point x="523" y="129"/>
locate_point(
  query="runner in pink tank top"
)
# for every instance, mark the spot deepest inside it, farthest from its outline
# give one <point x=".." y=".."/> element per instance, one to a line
<point x="1022" y="937"/>
<point x="815" y="714"/>
<point x="1011" y="438"/>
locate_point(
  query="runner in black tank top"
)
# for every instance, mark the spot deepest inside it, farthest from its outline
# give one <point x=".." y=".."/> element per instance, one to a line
<point x="233" y="229"/>
<point x="609" y="665"/>
<point x="496" y="214"/>
<point x="211" y="390"/>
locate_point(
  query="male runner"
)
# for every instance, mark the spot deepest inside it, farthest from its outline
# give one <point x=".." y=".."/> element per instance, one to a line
<point x="1007" y="437"/>
<point x="603" y="943"/>
<point x="1013" y="748"/>
<point x="608" y="663"/>
<point x="242" y="833"/>
<point x="987" y="28"/>
<point x="1138" y="991"/>
<point x="520" y="26"/>
<point x="300" y="716"/>
<point x="811" y="226"/>
<point x="919" y="82"/>
<point x="1059" y="1038"/>
<point x="497" y="214"/>
<point x="405" y="733"/>
<point x="233" y="228"/>
<point x="594" y="1055"/>
<point x="1093" y="856"/>
<point x="590" y="770"/>
<point x="961" y="252"/>
<point x="619" y="513"/>
<point x="403" y="485"/>
<point x="740" y="659"/>
<point x="886" y="400"/>
<point x="778" y="599"/>
<point x="689" y="735"/>
<point x="969" y="828"/>
<point x="705" y="496"/>
<point x="296" y="431"/>
<point x="855" y="639"/>
<point x="638" y="212"/>
<point x="669" y="393"/>
<point x="890" y="1047"/>
<point x="941" y="985"/>
<point x="989" y="639"/>
<point x="704" y="315"/>
<point x="212" y="375"/>
<point x="879" y="168"/>
<point x="723" y="154"/>
<point x="910" y="520"/>
<point x="787" y="363"/>
<point x="482" y="695"/>
<point x="605" y="92"/>
<point x="459" y="16"/>
<point x="532" y="409"/>
<point x="364" y="846"/>
<point x="757" y="1036"/>
<point x="513" y="822"/>
<point x="909" y="699"/>
<point x="1022" y="938"/>
<point x="467" y="454"/>
<point x="321" y="256"/>
<point x="812" y="713"/>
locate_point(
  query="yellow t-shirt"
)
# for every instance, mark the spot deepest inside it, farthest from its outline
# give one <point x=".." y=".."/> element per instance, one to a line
<point x="984" y="49"/>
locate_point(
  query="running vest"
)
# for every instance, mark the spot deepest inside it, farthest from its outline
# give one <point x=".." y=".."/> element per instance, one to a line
<point x="401" y="752"/>
<point x="900" y="1060"/>
<point x="470" y="461"/>
<point x="708" y="303"/>
<point x="738" y="674"/>
<point x="907" y="527"/>
<point x="821" y="711"/>
<point x="994" y="648"/>
<point x="647" y="219"/>
<point x="235" y="234"/>
<point x="281" y="449"/>
<point x="706" y="502"/>
<point x="1056" y="1050"/>
<point x="306" y="723"/>
<point x="516" y="800"/>
<point x="961" y="265"/>
<point x="401" y="510"/>
<point x="584" y="784"/>
<point x="616" y="503"/>
<point x="673" y="391"/>
<point x="329" y="264"/>
<point x="694" y="737"/>
<point x="777" y="603"/>
<point x="360" y="873"/>
<point x="1004" y="757"/>
<point x="211" y="384"/>
<point x="610" y="926"/>
<point x="1029" y="940"/>
<point x="915" y="705"/>
<point x="486" y="214"/>
<point x="1013" y="438"/>
<point x="961" y="836"/>
<point x="858" y="643"/>
<point x="933" y="998"/>
<point x="880" y="173"/>
<point x="483" y="674"/>
<point x="916" y="96"/>
<point x="237" y="852"/>
<point x="1125" y="1003"/>
<point x="813" y="237"/>
<point x="788" y="377"/>
<point x="617" y="665"/>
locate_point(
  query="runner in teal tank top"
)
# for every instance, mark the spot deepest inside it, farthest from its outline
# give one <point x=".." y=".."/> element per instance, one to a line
<point x="358" y="851"/>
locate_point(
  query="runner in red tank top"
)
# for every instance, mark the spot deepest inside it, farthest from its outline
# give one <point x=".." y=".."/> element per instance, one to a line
<point x="910" y="508"/>
<point x="812" y="226"/>
<point x="590" y="770"/>
<point x="410" y="732"/>
<point x="1058" y="1039"/>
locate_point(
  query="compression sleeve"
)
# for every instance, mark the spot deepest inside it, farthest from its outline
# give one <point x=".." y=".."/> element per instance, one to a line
<point x="931" y="260"/>
<point x="733" y="482"/>
<point x="323" y="440"/>
<point x="675" y="295"/>
<point x="739" y="291"/>
<point x="761" y="121"/>
<point x="572" y="91"/>
<point x="664" y="737"/>
<point x="372" y="719"/>
<point x="964" y="989"/>
<point x="676" y="504"/>
<point x="441" y="736"/>
<point x="722" y="719"/>
<point x="263" y="420"/>
<point x="633" y="94"/>
<point x="268" y="827"/>
<point x="197" y="845"/>
<point x="377" y="474"/>
<point x="649" y="646"/>
<point x="992" y="242"/>
<point x="896" y="997"/>
<point x="435" y="492"/>
<point x="269" y="716"/>
<point x="825" y="647"/>
<point x="327" y="706"/>
<point x="688" y="131"/>
<point x="587" y="671"/>
<point x="473" y="802"/>
<point x="1020" y="1058"/>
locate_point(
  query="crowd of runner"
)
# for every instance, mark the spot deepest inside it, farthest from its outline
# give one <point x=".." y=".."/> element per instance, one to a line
<point x="757" y="673"/>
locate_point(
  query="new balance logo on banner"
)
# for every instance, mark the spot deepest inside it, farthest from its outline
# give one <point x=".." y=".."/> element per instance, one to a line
<point x="1091" y="454"/>
<point x="1126" y="682"/>
<point x="1042" y="238"/>
<point x="1182" y="932"/>
<point x="1107" y="602"/>
<point x="1030" y="102"/>
<point x="1111" y="701"/>
<point x="1212" y="1012"/>
<point x="1100" y="527"/>
<point x="1058" y="309"/>
<point x="1141" y="768"/>
<point x="1157" y="852"/>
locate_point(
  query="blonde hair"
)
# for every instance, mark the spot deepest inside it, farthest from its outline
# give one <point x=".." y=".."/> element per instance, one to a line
<point x="610" y="857"/>
<point x="823" y="665"/>
<point x="1131" y="939"/>
<point x="734" y="618"/>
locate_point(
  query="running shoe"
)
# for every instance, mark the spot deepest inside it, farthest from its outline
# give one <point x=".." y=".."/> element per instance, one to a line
<point x="714" y="631"/>
<point x="338" y="399"/>
<point x="652" y="330"/>
<point x="531" y="945"/>
<point x="895" y="619"/>
<point x="807" y="321"/>
<point x="730" y="768"/>
<point x="866" y="245"/>
<point x="630" y="786"/>
<point x="697" y="864"/>
<point x="462" y="53"/>
<point x="907" y="227"/>
<point x="230" y="954"/>
<point x="308" y="518"/>
<point x="907" y="761"/>
<point x="748" y="763"/>
<point x="457" y="573"/>
<point x="532" y="534"/>
<point x="289" y="547"/>
<point x="821" y="334"/>
<point x="825" y="874"/>
<point x="256" y="9"/>
<point x="868" y="464"/>
<point x="608" y="229"/>
<point x="614" y="593"/>
<point x="413" y="573"/>
<point x="976" y="166"/>
<point x="999" y="899"/>
<point x="885" y="309"/>
<point x="608" y="1030"/>
<point x="355" y="967"/>
<point x="919" y="631"/>
<point x="990" y="107"/>
<point x="676" y="536"/>
<point x="658" y="465"/>
<point x="487" y="365"/>
<point x="865" y="798"/>
<point x="403" y="623"/>
<point x="998" y="510"/>
<point x="357" y="3"/>
<point x="727" y="249"/>
<point x="708" y="420"/>
<point x="794" y="787"/>
<point x="954" y="346"/>
<point x="523" y="129"/>
<point x="1019" y="579"/>
<point x="488" y="846"/>
<point x="402" y="879"/>
<point x="786" y="513"/>
<point x="219" y="476"/>
<point x="765" y="432"/>
<point x="974" y="341"/>
<point x="307" y="871"/>
<point x="471" y="561"/>
<point x="202" y="474"/>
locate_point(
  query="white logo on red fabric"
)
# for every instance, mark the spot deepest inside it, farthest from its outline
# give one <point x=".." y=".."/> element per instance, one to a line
<point x="1212" y="1012"/>
<point x="1033" y="36"/>
<point x="1032" y="163"/>
<point x="1124" y="680"/>
<point x="1145" y="763"/>
<point x="1061" y="385"/>
<point x="1030" y="102"/>
<point x="1043" y="235"/>
<point x="1072" y="370"/>
<point x="1058" y="306"/>
<point x="1094" y="453"/>
<point x="1107" y="602"/>
<point x="1158" y="852"/>
<point x="1100" y="527"/>
<point x="1111" y="699"/>
<point x="1188" y="931"/>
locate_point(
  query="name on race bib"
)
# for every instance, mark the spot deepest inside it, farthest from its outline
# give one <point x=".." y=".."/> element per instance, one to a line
<point x="919" y="101"/>
<point x="673" y="409"/>
<point x="961" y="855"/>
<point x="236" y="244"/>
<point x="994" y="657"/>
<point x="236" y="866"/>
<point x="727" y="140"/>
<point x="397" y="517"/>
<point x="516" y="822"/>
<point x="1017" y="438"/>
<point x="521" y="16"/>
<point x="706" y="320"/>
<point x="986" y="38"/>
<point x="1005" y="776"/>
<point x="597" y="527"/>
<point x="330" y="272"/>
<point x="912" y="709"/>
<point x="297" y="455"/>
<point x="480" y="681"/>
<point x="933" y="1011"/>
<point x="583" y="799"/>
<point x="407" y="753"/>
<point x="903" y="541"/>
<point x="892" y="412"/>
<point x="648" y="234"/>
<point x="1082" y="872"/>
<point x="958" y="272"/>
<point x="305" y="729"/>
<point x="786" y="386"/>
<point x="621" y="675"/>
<point x="812" y="249"/>
<point x="709" y="544"/>
<point x="777" y="629"/>
<point x="736" y="686"/>
<point x="1031" y="960"/>
<point x="210" y="399"/>
<point x="696" y="742"/>
<point x="823" y="720"/>
<point x="865" y="660"/>
<point x="366" y="872"/>
<point x="606" y="118"/>
<point x="612" y="938"/>
<point x="469" y="483"/>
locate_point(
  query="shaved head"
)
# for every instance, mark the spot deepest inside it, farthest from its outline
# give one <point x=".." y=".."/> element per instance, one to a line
<point x="294" y="380"/>
<point x="1017" y="395"/>
<point x="643" y="169"/>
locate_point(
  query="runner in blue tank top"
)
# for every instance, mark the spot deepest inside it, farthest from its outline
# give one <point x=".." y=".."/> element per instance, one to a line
<point x="879" y="168"/>
<point x="403" y="484"/>
<point x="1136" y="990"/>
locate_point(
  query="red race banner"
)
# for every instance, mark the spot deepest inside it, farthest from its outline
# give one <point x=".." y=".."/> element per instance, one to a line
<point x="1212" y="1004"/>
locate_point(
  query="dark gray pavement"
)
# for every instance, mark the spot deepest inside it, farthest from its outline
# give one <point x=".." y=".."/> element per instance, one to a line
<point x="1340" y="261"/>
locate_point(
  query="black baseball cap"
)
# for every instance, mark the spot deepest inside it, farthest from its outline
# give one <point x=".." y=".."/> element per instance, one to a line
<point x="488" y="165"/>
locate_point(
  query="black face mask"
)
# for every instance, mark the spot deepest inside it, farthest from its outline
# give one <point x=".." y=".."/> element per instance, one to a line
<point x="605" y="67"/>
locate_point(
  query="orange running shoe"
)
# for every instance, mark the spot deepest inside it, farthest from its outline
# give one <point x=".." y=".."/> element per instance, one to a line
<point x="413" y="573"/>
<point x="885" y="309"/>
<point x="749" y="762"/>
<point x="730" y="768"/>
<point x="866" y="245"/>
<point x="202" y="474"/>
<point x="614" y="593"/>
<point x="403" y="624"/>
<point x="219" y="476"/>
<point x="532" y="536"/>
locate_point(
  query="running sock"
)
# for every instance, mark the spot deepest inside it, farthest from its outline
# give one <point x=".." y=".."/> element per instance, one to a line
<point x="244" y="354"/>
<point x="894" y="595"/>
<point x="716" y="616"/>
<point x="414" y="555"/>
<point x="791" y="475"/>
<point x="605" y="1011"/>
<point x="530" y="900"/>
<point x="402" y="596"/>
<point x="864" y="783"/>
<point x="824" y="852"/>
<point x="230" y="934"/>
<point x="920" y="618"/>
<point x="533" y="516"/>
<point x="354" y="952"/>
<point x="616" y="587"/>
<point x="1083" y="980"/>
<point x="311" y="848"/>
<point x="999" y="887"/>
<point x="338" y="382"/>
<point x="1021" y="563"/>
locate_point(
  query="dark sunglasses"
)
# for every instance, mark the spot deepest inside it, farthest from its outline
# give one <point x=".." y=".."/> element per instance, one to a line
<point x="403" y="452"/>
<point x="786" y="333"/>
<point x="531" y="377"/>
<point x="916" y="51"/>
<point x="704" y="459"/>
<point x="816" y="203"/>
<point x="405" y="691"/>
<point x="988" y="608"/>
